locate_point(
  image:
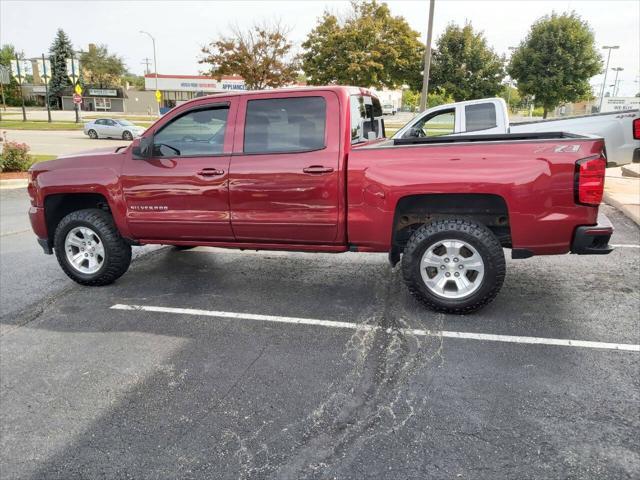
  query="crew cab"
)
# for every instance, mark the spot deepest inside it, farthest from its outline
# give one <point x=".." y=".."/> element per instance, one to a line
<point x="620" y="130"/>
<point x="309" y="170"/>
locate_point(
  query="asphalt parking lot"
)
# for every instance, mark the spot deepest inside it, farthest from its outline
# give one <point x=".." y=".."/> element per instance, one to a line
<point x="223" y="364"/>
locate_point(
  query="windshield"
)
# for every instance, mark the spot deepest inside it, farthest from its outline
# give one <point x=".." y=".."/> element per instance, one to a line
<point x="126" y="123"/>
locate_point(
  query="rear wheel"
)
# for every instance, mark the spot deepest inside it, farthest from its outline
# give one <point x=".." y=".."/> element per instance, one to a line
<point x="127" y="135"/>
<point x="453" y="266"/>
<point x="92" y="134"/>
<point x="89" y="248"/>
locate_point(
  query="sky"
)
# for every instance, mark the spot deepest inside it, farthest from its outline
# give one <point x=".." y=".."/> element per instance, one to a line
<point x="181" y="28"/>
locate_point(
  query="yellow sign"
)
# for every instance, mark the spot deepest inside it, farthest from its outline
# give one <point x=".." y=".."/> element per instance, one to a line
<point x="78" y="89"/>
<point x="158" y="96"/>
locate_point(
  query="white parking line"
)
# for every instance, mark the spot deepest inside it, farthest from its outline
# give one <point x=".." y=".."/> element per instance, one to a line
<point x="357" y="326"/>
<point x="626" y="245"/>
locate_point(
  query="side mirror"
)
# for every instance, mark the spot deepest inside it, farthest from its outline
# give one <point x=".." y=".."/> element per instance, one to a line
<point x="143" y="149"/>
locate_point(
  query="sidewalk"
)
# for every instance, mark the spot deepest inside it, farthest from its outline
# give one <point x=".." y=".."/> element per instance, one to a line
<point x="622" y="190"/>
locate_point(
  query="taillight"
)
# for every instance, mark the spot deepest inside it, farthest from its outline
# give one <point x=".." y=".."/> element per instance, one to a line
<point x="590" y="180"/>
<point x="636" y="129"/>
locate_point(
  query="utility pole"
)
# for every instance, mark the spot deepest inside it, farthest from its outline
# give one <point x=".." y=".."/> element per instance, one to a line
<point x="155" y="66"/>
<point x="510" y="86"/>
<point x="615" y="82"/>
<point x="427" y="59"/>
<point x="19" y="72"/>
<point x="45" y="79"/>
<point x="146" y="61"/>
<point x="604" y="83"/>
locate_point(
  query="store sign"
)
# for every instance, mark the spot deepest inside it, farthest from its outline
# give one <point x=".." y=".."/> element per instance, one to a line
<point x="101" y="92"/>
<point x="39" y="89"/>
<point x="212" y="86"/>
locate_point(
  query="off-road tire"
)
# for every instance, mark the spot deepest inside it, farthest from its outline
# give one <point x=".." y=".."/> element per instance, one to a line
<point x="117" y="250"/>
<point x="476" y="234"/>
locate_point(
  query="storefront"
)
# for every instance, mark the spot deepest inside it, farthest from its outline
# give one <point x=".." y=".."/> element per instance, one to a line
<point x="97" y="100"/>
<point x="177" y="89"/>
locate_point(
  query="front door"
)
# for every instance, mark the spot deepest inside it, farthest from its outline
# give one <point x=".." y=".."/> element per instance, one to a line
<point x="181" y="192"/>
<point x="284" y="174"/>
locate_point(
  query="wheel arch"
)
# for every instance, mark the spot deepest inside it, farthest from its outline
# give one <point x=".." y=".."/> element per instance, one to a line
<point x="412" y="211"/>
<point x="59" y="205"/>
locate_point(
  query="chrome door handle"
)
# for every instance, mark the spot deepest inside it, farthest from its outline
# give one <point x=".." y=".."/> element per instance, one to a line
<point x="210" y="172"/>
<point x="315" y="169"/>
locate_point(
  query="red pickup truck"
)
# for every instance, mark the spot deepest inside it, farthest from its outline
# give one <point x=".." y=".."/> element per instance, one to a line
<point x="309" y="169"/>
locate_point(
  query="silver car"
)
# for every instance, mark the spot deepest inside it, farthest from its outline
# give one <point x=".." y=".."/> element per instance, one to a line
<point x="112" y="128"/>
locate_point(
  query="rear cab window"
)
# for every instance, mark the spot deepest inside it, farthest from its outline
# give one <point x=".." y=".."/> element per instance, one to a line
<point x="366" y="116"/>
<point x="481" y="116"/>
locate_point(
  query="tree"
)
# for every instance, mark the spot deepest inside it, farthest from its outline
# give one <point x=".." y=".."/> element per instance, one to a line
<point x="464" y="66"/>
<point x="512" y="96"/>
<point x="100" y="68"/>
<point x="134" y="80"/>
<point x="11" y="92"/>
<point x="61" y="49"/>
<point x="261" y="56"/>
<point x="556" y="60"/>
<point x="370" y="48"/>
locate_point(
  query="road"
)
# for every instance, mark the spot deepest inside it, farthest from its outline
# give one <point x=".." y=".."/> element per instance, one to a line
<point x="225" y="364"/>
<point x="59" y="142"/>
<point x="28" y="278"/>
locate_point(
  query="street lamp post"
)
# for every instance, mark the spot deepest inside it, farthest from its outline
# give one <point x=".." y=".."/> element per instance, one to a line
<point x="604" y="83"/>
<point x="615" y="82"/>
<point x="155" y="63"/>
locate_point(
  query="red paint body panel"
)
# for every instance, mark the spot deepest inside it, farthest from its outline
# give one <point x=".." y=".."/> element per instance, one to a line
<point x="270" y="196"/>
<point x="536" y="183"/>
<point x="266" y="201"/>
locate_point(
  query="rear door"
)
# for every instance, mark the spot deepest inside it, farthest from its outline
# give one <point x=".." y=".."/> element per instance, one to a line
<point x="181" y="192"/>
<point x="284" y="175"/>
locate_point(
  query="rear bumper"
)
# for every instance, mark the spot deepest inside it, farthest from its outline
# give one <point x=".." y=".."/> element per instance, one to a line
<point x="593" y="239"/>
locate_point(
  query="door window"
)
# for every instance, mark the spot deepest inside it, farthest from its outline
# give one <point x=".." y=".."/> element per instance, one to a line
<point x="195" y="133"/>
<point x="481" y="116"/>
<point x="282" y="125"/>
<point x="440" y="123"/>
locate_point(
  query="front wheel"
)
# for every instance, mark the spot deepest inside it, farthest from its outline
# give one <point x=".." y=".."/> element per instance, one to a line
<point x="92" y="134"/>
<point x="127" y="135"/>
<point x="89" y="248"/>
<point x="453" y="265"/>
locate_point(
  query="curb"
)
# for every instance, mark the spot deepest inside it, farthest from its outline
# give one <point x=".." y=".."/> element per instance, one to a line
<point x="631" y="171"/>
<point x="631" y="211"/>
<point x="13" y="183"/>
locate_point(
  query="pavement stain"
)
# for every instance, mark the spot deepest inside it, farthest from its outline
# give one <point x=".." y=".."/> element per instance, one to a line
<point x="373" y="399"/>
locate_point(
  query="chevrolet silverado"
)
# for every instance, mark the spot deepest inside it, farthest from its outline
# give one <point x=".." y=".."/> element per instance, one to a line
<point x="309" y="169"/>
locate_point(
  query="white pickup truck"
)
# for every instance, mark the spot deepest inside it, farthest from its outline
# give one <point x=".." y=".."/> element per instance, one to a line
<point x="620" y="130"/>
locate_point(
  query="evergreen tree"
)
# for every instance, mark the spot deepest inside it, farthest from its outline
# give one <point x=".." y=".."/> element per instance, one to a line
<point x="61" y="49"/>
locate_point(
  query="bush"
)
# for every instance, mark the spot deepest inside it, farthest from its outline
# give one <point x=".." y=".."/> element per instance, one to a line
<point x="15" y="157"/>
